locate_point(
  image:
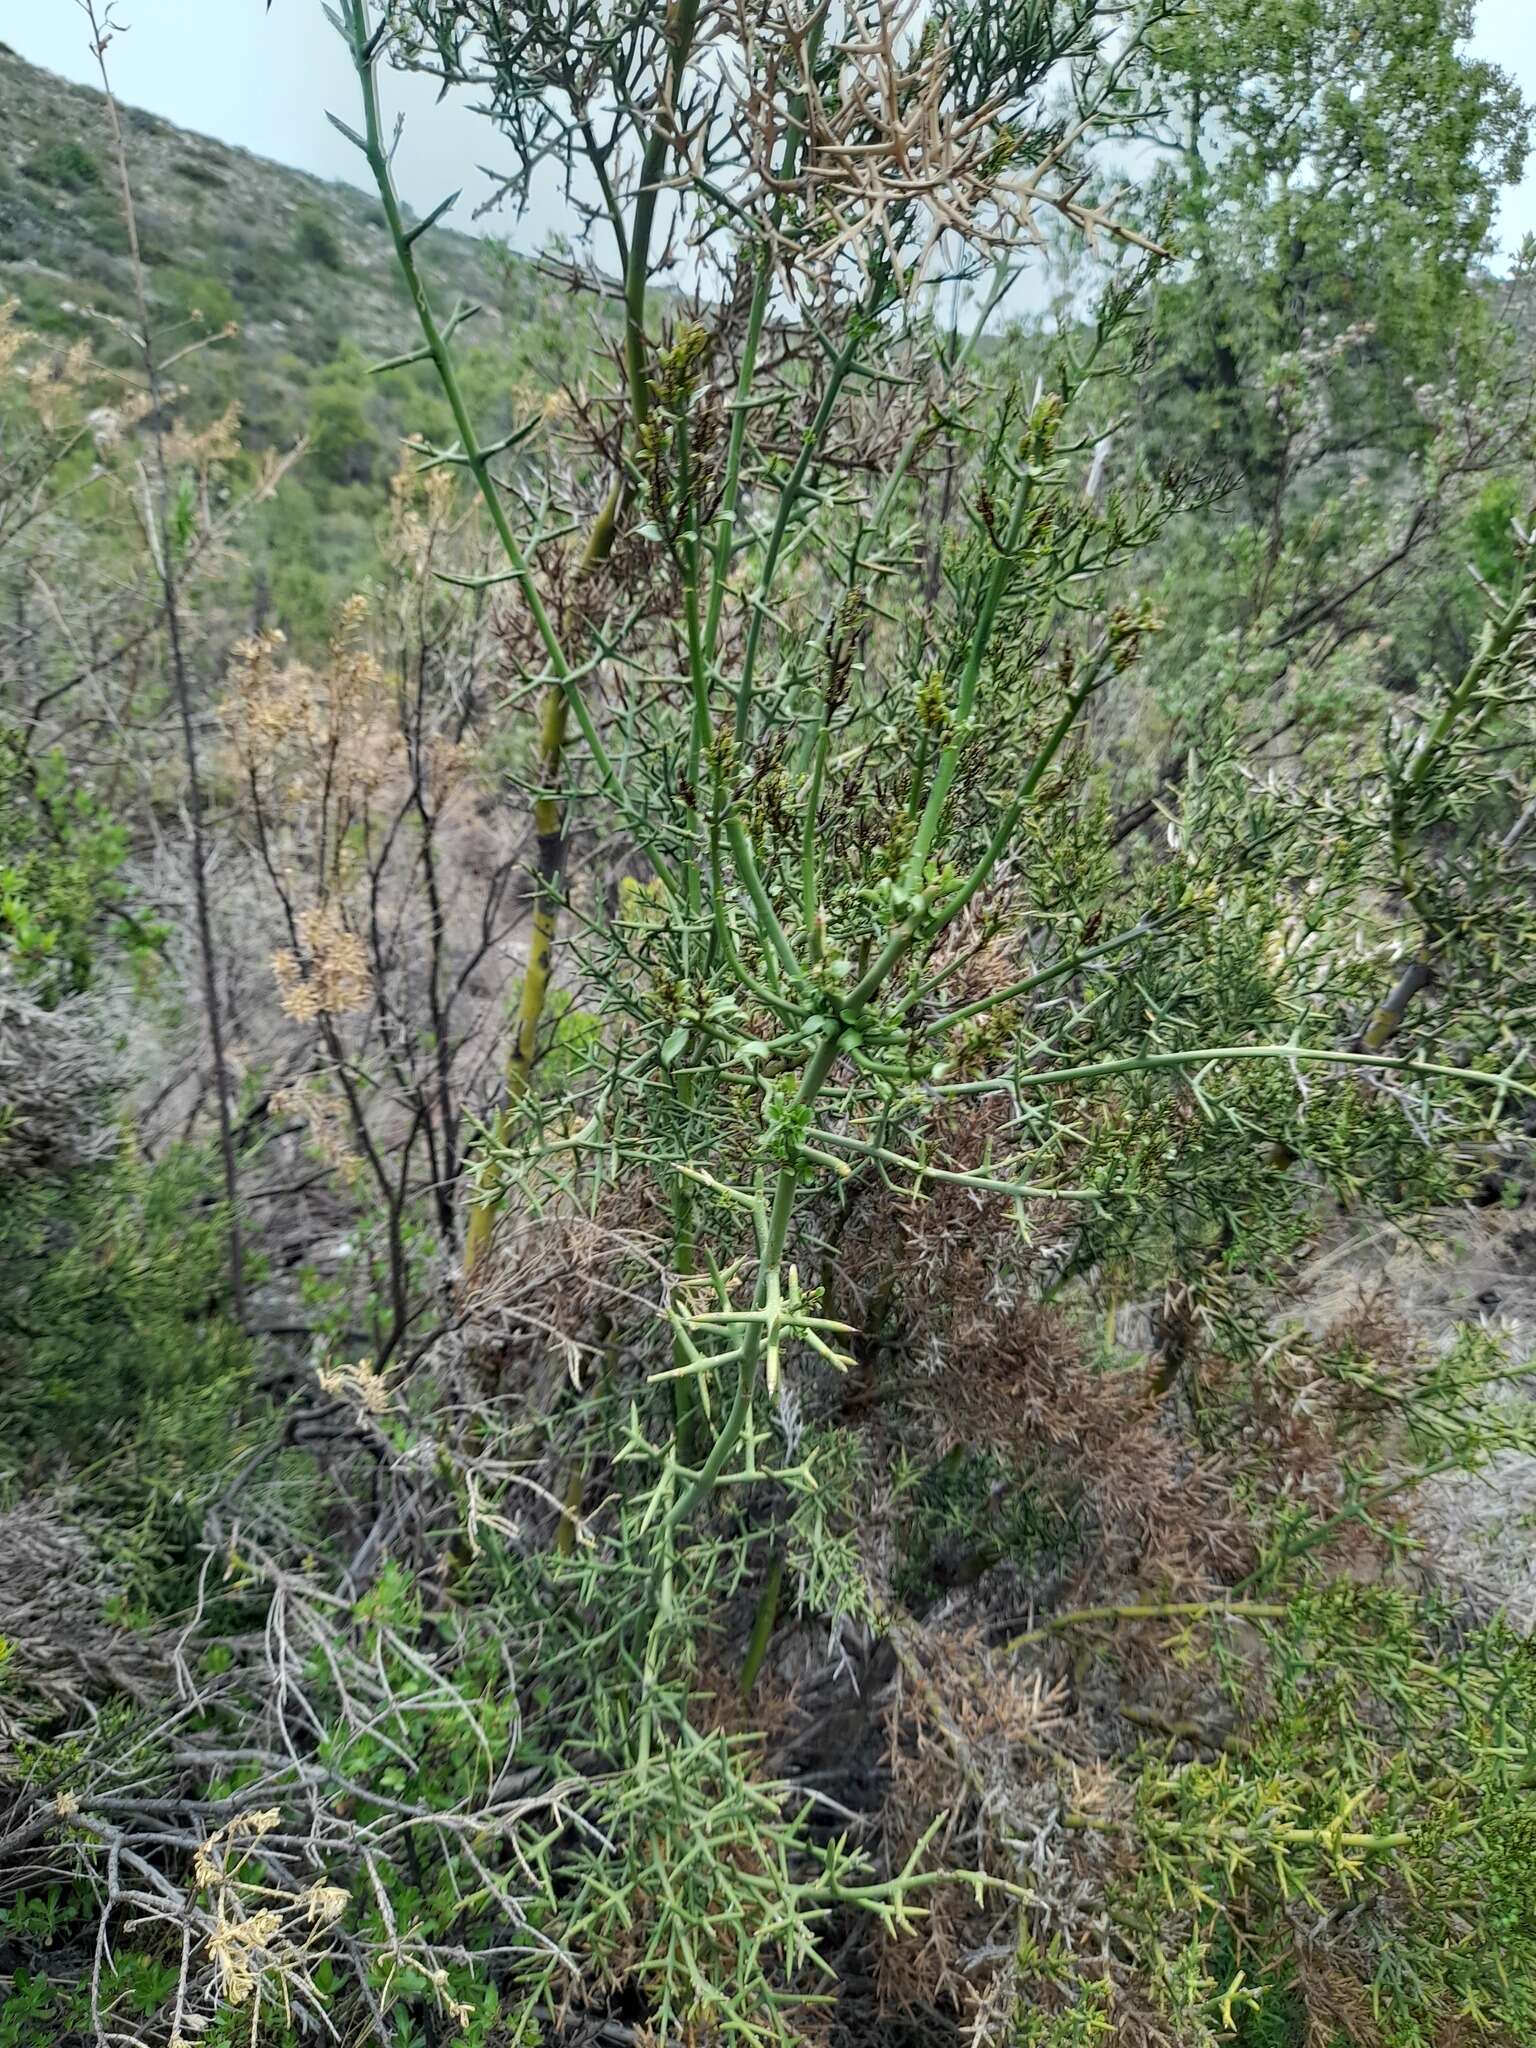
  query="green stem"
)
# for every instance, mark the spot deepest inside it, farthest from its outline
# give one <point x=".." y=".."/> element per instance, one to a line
<point x="1251" y="1610"/>
<point x="789" y="499"/>
<point x="794" y="136"/>
<point x="1498" y="637"/>
<point x="725" y="538"/>
<point x="766" y="1614"/>
<point x="1317" y="1056"/>
<point x="365" y="61"/>
<point x="1003" y="280"/>
<point x="1058" y="972"/>
<point x="981" y="636"/>
<point x="1287" y="1837"/>
<point x="1008" y="823"/>
<point x="751" y="1333"/>
<point x="1417" y="970"/>
<point x="985" y="1183"/>
<point x="808" y="888"/>
<point x="548" y="816"/>
<point x="768" y="918"/>
<point x="682" y="24"/>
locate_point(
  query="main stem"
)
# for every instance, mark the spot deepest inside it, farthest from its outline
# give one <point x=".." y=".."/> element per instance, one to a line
<point x="751" y="1334"/>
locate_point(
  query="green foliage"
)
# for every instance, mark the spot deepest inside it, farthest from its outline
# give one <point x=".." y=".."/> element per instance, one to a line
<point x="44" y="2002"/>
<point x="68" y="166"/>
<point x="968" y="1515"/>
<point x="1329" y="340"/>
<point x="1490" y="531"/>
<point x="196" y="300"/>
<point x="315" y="240"/>
<point x="62" y="885"/>
<point x="1389" y="1761"/>
<point x="118" y="1355"/>
<point x="886" y="1065"/>
<point x="575" y="1034"/>
<point x="1332" y="188"/>
<point x="345" y="446"/>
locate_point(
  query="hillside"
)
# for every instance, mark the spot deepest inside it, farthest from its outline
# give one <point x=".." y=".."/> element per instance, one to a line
<point x="274" y="241"/>
<point x="299" y="269"/>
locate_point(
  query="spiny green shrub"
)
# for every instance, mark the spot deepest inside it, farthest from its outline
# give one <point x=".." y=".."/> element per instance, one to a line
<point x="901" y="1074"/>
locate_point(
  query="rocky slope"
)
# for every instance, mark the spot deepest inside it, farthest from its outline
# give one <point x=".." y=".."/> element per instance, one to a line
<point x="296" y="260"/>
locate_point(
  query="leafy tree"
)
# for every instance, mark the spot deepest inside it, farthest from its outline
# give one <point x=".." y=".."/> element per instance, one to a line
<point x="1324" y="175"/>
<point x="1329" y="351"/>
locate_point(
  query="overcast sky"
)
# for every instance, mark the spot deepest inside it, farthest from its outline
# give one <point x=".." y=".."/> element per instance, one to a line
<point x="266" y="80"/>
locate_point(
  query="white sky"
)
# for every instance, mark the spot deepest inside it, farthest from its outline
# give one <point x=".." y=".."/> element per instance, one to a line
<point x="265" y="81"/>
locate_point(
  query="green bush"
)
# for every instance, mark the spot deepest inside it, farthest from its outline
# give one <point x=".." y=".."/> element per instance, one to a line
<point x="258" y="272"/>
<point x="66" y="166"/>
<point x="344" y="443"/>
<point x="61" y="883"/>
<point x="116" y="1353"/>
<point x="314" y="240"/>
<point x="194" y="298"/>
